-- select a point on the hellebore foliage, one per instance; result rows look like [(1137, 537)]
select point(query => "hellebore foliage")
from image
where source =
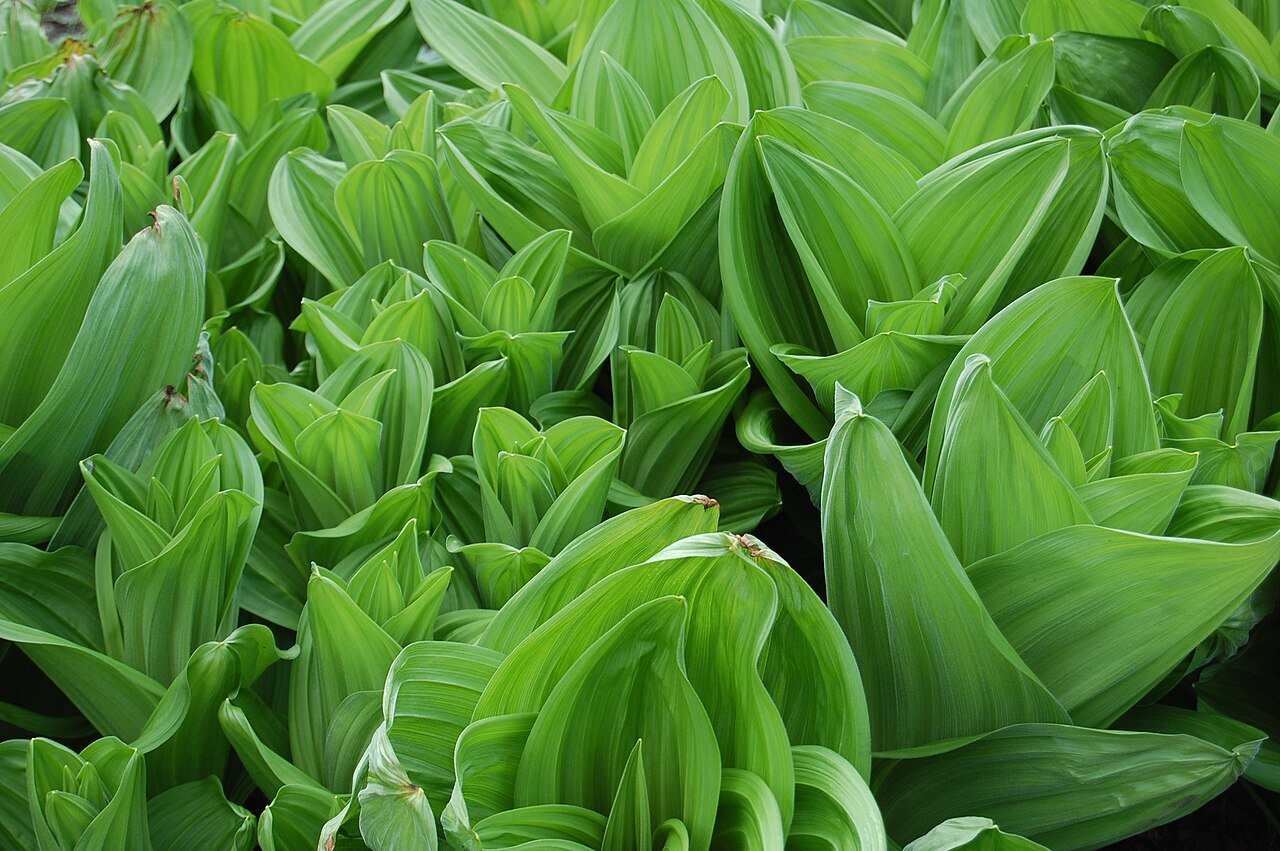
[(617, 425)]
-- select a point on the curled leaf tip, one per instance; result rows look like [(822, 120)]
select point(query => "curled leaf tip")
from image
[(752, 545), (847, 403)]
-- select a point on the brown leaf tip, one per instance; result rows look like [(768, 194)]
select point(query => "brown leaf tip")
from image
[(173, 398), (753, 546)]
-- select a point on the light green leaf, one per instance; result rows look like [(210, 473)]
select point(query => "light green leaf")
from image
[(1060, 786), (885, 552), (571, 758), (485, 50)]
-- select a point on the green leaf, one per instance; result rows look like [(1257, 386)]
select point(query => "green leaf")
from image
[(242, 64), (694, 47), (982, 109), (972, 832), (748, 816), (848, 264), (392, 206), (890, 119), (770, 77), (105, 807), (1040, 335), (485, 761), (208, 175), (300, 198), (1061, 786), (650, 232), (683, 431), (677, 130), (1223, 167), (217, 539), (865, 61), (1215, 371), (360, 137), (1240, 33), (629, 823), (1151, 202), (603, 195), (342, 652), (995, 485), (758, 263), (142, 39), (486, 51), (44, 129), (71, 274), (885, 552), (35, 210), (1044, 18), (198, 813), (335, 33), (432, 688), (630, 538), (993, 20), (295, 817), (393, 811), (1213, 79), (833, 803), (1085, 644), (1006, 241), (152, 292), (571, 757), (1142, 491)]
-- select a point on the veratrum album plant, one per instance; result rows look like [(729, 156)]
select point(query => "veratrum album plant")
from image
[(639, 425)]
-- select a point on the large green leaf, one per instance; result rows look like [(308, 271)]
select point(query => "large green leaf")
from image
[(1009, 215), (70, 273), (1212, 370), (139, 333), (197, 813), (1064, 787), (1086, 644), (393, 206), (342, 653), (917, 626), (834, 806), (486, 51), (635, 676), (693, 48), (759, 264), (1224, 166), (630, 538), (722, 651), (1042, 334), (995, 484), (431, 690)]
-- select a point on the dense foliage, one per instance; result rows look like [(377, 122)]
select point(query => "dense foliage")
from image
[(389, 389)]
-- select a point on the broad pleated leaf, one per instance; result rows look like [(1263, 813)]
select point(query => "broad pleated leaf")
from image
[(995, 485), (571, 759), (1064, 787), (1094, 657), (487, 51), (1043, 334), (148, 306), (885, 552), (1224, 168), (834, 806)]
